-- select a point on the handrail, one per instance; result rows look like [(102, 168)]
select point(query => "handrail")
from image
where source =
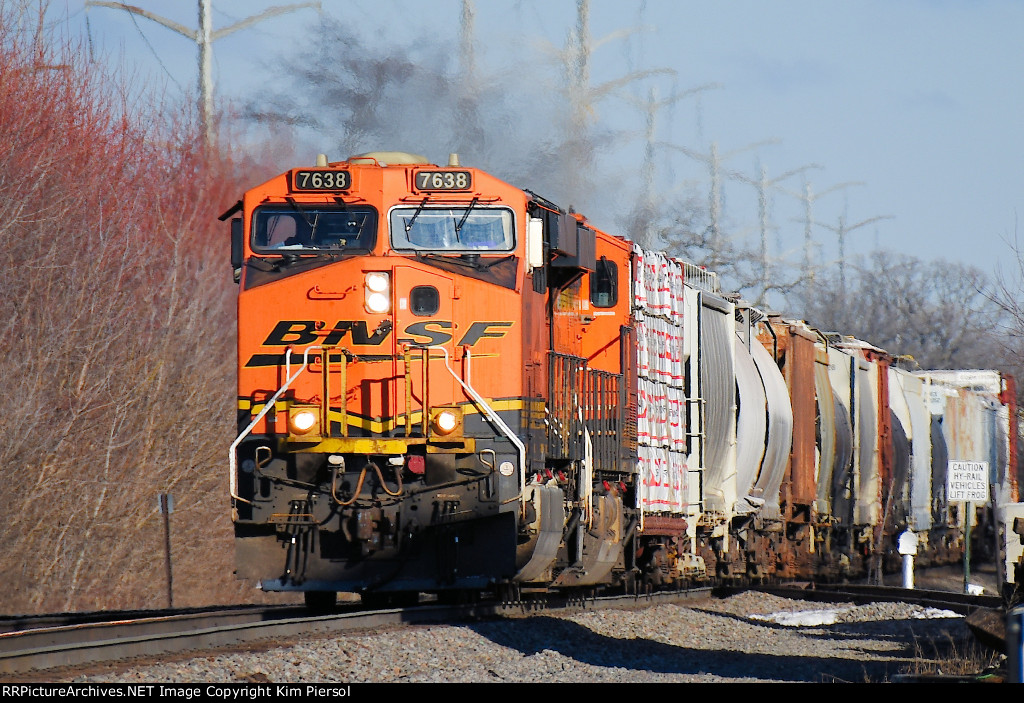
[(493, 417), (699, 277), (289, 379)]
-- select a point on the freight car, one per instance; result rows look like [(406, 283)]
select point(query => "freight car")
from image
[(447, 383)]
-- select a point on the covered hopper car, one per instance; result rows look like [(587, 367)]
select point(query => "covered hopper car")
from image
[(447, 383)]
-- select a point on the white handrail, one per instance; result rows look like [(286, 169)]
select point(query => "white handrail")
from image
[(493, 417), (232, 461)]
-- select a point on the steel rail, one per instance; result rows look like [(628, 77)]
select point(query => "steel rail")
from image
[(959, 603), (95, 642), (18, 623)]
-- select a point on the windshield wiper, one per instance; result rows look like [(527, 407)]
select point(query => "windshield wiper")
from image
[(465, 216), (419, 209), (295, 206), (312, 223)]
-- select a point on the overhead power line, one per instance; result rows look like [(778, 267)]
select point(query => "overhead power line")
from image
[(204, 37)]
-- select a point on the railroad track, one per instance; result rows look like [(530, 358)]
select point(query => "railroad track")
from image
[(18, 623), (960, 603), (45, 642)]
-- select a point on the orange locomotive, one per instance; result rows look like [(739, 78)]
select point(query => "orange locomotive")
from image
[(420, 350), (447, 383)]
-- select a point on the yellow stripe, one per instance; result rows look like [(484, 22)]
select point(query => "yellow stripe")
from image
[(535, 408), (255, 408), (386, 425), (369, 445)]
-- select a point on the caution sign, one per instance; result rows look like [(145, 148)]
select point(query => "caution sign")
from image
[(967, 481)]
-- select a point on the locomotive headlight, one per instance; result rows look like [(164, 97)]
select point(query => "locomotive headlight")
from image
[(447, 420), (303, 420), (378, 282), (378, 292), (378, 302)]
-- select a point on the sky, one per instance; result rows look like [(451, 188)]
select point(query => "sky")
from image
[(905, 114)]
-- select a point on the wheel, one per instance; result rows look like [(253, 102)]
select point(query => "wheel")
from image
[(320, 601)]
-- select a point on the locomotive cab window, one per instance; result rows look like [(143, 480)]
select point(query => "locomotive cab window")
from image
[(305, 227), (604, 284), (471, 229)]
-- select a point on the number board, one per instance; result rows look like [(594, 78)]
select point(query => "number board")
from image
[(443, 180), (322, 180)]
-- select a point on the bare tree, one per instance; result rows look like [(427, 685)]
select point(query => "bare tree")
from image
[(361, 96), (525, 123), (114, 365), (938, 312), (1007, 293)]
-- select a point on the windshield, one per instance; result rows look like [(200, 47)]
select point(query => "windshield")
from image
[(313, 227), (452, 229)]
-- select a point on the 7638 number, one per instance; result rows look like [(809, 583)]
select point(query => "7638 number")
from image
[(443, 180), (322, 180)]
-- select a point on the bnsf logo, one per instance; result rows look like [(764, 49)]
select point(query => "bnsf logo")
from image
[(426, 333)]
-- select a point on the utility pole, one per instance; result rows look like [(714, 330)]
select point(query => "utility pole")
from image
[(713, 160), (578, 51), (641, 231), (467, 104), (808, 196), (204, 38), (763, 184), (582, 97), (467, 30), (841, 231)]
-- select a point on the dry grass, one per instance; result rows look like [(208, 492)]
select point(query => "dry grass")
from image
[(952, 657), (116, 337)]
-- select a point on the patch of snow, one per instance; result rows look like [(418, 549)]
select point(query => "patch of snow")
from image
[(803, 618), (931, 613), (831, 616)]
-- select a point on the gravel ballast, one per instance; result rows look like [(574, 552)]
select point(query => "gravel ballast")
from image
[(743, 638)]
